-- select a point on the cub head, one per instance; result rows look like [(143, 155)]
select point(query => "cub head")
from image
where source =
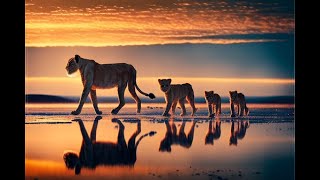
[(233, 95), (72, 65), (208, 95), (164, 84)]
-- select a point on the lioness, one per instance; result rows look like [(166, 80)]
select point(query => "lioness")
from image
[(105, 76)]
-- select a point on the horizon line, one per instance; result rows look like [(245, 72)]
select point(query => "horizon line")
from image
[(216, 79)]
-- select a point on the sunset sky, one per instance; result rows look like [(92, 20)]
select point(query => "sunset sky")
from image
[(216, 45)]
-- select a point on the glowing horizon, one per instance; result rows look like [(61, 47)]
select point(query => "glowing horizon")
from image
[(249, 86), (225, 80)]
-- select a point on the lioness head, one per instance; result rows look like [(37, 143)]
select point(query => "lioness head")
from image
[(72, 161), (72, 65), (233, 95), (164, 84), (208, 95)]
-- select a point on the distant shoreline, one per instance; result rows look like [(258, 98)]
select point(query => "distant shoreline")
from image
[(42, 98)]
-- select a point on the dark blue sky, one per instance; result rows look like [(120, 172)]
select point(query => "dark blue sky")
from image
[(245, 60)]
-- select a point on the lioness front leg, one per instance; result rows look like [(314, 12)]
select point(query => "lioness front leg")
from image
[(84, 96), (93, 96)]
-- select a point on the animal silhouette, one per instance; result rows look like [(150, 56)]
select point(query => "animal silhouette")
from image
[(94, 153), (214, 132), (174, 138), (239, 132)]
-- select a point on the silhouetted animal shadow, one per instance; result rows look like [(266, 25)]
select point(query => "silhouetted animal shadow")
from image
[(94, 153), (172, 138), (214, 132), (239, 133)]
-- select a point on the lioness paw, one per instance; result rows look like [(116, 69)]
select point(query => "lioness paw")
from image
[(114, 112), (166, 114), (212, 115), (75, 112), (99, 112)]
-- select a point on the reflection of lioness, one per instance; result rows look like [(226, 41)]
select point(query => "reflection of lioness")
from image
[(105, 76), (94, 153)]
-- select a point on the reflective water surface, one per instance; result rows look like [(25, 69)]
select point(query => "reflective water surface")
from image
[(149, 146)]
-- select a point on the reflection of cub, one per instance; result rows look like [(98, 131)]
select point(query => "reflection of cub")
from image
[(175, 93), (213, 132), (172, 137), (94, 153), (213, 102), (239, 100), (239, 133)]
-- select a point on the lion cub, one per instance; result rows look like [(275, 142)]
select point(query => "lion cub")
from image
[(175, 93), (213, 101), (240, 101)]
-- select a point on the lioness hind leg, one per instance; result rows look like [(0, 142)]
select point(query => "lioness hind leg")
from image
[(94, 101), (121, 90), (133, 93)]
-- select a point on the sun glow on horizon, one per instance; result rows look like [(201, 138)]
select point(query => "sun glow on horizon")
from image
[(250, 86), (177, 79)]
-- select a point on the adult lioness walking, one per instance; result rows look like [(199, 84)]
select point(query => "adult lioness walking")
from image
[(105, 76)]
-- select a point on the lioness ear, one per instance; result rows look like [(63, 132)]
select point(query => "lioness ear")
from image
[(169, 81), (159, 80), (76, 57)]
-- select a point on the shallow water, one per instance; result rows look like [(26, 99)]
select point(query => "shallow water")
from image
[(262, 147)]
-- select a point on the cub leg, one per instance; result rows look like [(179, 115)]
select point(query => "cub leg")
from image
[(238, 106), (169, 104), (183, 108), (232, 110), (242, 106), (210, 110), (191, 102), (174, 105)]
